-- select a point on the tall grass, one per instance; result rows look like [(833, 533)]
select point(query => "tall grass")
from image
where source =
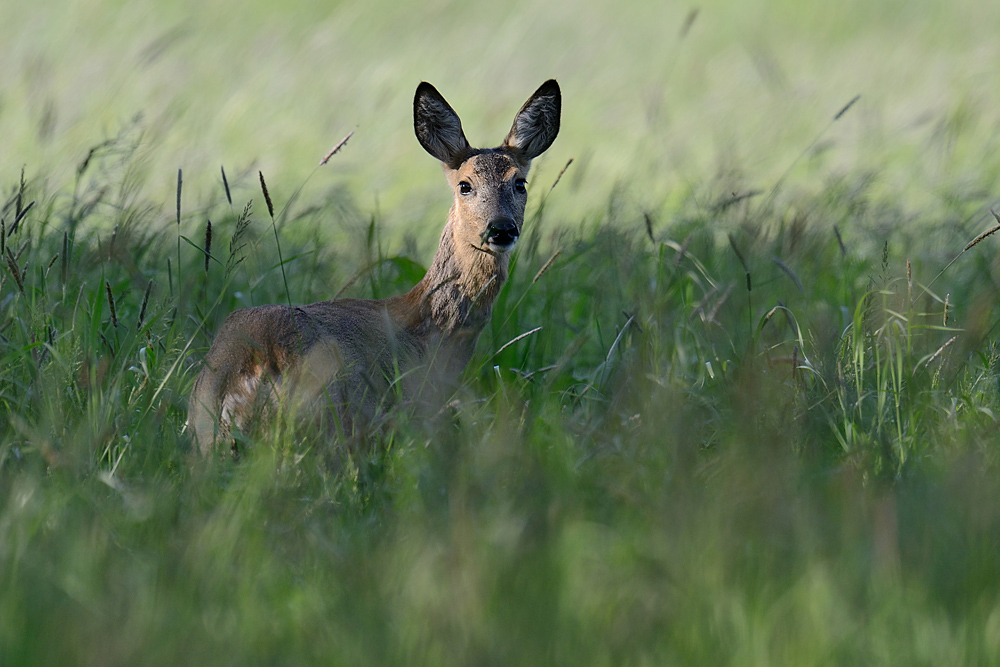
[(724, 432)]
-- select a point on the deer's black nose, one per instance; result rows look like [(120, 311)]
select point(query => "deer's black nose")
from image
[(502, 232)]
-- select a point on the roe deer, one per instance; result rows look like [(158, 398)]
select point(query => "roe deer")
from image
[(343, 357)]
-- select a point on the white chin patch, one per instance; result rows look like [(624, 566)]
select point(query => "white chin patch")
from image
[(495, 247)]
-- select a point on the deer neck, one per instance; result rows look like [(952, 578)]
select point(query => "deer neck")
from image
[(456, 295)]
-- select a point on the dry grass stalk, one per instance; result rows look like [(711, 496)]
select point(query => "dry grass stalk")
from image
[(515, 339), (546, 266), (561, 172), (970, 244), (947, 297), (987, 233), (940, 350), (336, 149)]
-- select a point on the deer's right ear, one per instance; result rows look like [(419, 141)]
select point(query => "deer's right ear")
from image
[(537, 123), (438, 127)]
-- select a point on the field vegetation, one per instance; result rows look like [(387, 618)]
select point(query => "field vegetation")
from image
[(737, 405)]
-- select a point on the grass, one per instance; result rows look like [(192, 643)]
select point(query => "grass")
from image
[(672, 468), (736, 405)]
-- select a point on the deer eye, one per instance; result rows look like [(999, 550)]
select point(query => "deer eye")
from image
[(520, 186), (464, 187)]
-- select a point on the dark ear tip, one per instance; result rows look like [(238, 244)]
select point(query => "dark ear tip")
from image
[(424, 90), (550, 87)]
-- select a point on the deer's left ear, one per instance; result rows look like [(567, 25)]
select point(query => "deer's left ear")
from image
[(537, 123), (438, 127)]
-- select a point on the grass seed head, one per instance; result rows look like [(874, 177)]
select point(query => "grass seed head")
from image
[(180, 183), (20, 215), (15, 272), (208, 243), (225, 184), (267, 196), (111, 303), (145, 301), (984, 235), (336, 149), (846, 108)]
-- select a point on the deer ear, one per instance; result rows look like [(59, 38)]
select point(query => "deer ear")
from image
[(537, 123), (438, 127)]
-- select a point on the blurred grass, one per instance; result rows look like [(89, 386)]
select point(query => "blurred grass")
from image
[(748, 431), (747, 86)]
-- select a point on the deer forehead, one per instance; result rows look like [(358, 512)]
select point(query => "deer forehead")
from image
[(486, 168)]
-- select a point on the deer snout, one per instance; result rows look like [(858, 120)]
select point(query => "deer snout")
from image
[(502, 233)]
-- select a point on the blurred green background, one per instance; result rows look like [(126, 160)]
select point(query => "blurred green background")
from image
[(653, 100), (751, 414)]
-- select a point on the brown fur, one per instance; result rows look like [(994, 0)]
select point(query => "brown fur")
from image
[(344, 358)]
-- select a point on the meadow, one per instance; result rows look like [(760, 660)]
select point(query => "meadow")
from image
[(737, 404)]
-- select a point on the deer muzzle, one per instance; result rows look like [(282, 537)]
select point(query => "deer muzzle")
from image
[(502, 233)]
